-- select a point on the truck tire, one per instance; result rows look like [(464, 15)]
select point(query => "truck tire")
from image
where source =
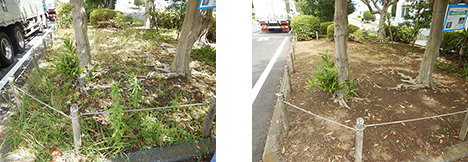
[(6, 50), (17, 39)]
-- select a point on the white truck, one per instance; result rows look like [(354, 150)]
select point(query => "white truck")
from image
[(271, 15), (18, 20)]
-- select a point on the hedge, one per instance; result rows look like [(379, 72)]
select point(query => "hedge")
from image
[(305, 26), (102, 16), (64, 15), (331, 29)]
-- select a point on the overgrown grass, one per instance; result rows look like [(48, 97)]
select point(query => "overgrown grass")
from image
[(123, 58)]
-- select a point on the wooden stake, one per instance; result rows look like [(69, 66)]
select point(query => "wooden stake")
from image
[(359, 138), (209, 117), (76, 126), (16, 94)]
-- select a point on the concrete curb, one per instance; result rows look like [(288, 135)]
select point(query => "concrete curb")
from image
[(170, 153), (271, 145)]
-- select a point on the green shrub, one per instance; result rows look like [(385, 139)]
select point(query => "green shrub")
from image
[(394, 31), (205, 54), (323, 27), (67, 60), (449, 44), (368, 16), (360, 34), (64, 15), (326, 78), (102, 16), (405, 34), (169, 19), (211, 35), (359, 16), (126, 20), (352, 28), (305, 26), (331, 29)]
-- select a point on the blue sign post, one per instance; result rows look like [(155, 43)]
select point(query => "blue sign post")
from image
[(455, 18), (207, 4)]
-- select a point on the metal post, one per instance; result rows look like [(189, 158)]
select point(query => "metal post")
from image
[(359, 138), (76, 126), (283, 111), (209, 117), (464, 128), (16, 94), (292, 61)]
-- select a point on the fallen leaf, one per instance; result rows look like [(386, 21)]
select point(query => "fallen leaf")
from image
[(402, 106), (397, 141), (376, 145), (366, 110), (329, 133), (378, 119), (440, 141), (347, 121), (384, 137), (403, 124), (55, 152), (282, 152)]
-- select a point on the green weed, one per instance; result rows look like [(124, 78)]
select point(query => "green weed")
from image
[(325, 78)]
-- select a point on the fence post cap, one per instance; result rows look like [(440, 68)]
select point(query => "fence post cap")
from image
[(360, 124)]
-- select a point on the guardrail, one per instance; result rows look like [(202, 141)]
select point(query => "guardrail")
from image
[(359, 127)]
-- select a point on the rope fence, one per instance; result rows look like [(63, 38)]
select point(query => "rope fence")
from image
[(285, 88)]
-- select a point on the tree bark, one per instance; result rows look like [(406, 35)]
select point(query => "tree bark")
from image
[(82, 41), (195, 22), (435, 39), (341, 44)]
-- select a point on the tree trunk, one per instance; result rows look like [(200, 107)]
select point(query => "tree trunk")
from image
[(341, 44), (433, 44), (112, 4), (383, 15), (195, 22), (82, 41)]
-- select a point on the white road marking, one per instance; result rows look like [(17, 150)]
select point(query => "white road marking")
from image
[(263, 77), (263, 39)]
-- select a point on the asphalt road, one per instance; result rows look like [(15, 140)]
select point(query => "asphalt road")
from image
[(269, 51)]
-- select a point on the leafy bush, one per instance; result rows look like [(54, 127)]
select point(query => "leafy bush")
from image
[(360, 34), (64, 15), (305, 26), (169, 19), (405, 34), (331, 29), (368, 16), (326, 78), (102, 16), (205, 54), (352, 28), (323, 27), (67, 61), (449, 44), (127, 20), (394, 31), (211, 35)]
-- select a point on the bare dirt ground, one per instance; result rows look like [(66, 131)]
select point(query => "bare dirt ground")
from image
[(376, 66)]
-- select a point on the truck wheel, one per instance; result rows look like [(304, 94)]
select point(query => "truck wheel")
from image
[(6, 50), (17, 39)]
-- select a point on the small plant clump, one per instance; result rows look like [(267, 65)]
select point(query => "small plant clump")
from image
[(326, 77)]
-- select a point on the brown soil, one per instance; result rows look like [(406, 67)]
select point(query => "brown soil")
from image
[(313, 139)]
